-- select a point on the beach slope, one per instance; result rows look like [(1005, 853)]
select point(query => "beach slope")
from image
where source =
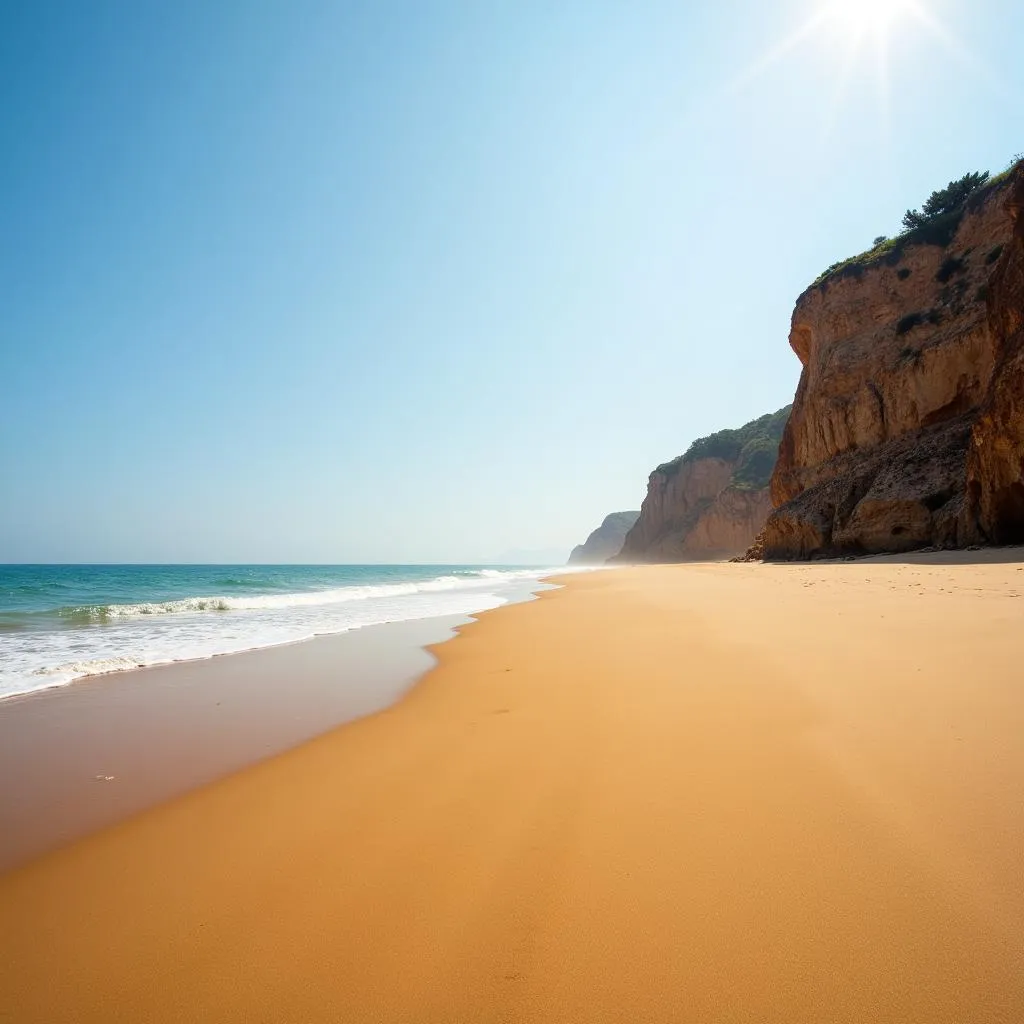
[(676, 793)]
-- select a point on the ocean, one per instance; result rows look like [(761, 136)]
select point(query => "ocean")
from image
[(59, 623)]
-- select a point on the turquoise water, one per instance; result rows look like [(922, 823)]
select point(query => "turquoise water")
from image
[(63, 622)]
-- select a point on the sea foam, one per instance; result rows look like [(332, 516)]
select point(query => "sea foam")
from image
[(308, 599), (92, 639)]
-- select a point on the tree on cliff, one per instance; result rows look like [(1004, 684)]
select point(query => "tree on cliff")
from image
[(945, 200)]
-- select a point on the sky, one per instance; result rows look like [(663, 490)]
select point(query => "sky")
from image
[(433, 281)]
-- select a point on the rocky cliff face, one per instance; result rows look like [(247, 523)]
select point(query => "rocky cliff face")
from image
[(909, 362), (711, 502), (606, 541), (995, 464)]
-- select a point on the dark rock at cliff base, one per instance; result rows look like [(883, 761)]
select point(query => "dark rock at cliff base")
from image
[(903, 494), (605, 541)]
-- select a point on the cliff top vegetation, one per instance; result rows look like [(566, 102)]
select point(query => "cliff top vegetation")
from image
[(934, 224), (754, 448)]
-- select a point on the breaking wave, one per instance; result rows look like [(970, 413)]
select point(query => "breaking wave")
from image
[(44, 647), (303, 599)]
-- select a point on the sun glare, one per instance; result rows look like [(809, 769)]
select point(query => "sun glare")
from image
[(857, 41), (858, 18), (861, 35)]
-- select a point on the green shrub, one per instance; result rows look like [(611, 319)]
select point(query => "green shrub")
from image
[(938, 231), (936, 223), (890, 250), (945, 200), (950, 266), (993, 255), (757, 460), (912, 320), (909, 322), (753, 447)]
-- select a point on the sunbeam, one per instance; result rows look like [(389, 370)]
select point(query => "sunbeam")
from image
[(956, 49), (861, 32), (808, 30), (843, 77)]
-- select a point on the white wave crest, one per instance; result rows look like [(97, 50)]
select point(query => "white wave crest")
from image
[(91, 667), (156, 633), (303, 599)]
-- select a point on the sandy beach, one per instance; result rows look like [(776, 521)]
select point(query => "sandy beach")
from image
[(99, 750), (693, 793)]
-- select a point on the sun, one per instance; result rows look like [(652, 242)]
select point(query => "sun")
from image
[(858, 18), (858, 38)]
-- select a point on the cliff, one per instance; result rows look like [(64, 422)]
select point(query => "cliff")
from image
[(995, 464), (906, 428), (605, 541), (711, 502)]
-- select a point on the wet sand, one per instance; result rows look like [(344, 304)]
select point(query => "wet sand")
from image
[(683, 793), (76, 758)]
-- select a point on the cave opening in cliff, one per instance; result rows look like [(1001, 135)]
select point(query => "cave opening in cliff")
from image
[(1008, 506)]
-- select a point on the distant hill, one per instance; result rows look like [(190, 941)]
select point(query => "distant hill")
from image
[(606, 541), (712, 501)]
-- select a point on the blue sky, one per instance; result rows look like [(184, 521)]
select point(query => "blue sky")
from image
[(430, 281)]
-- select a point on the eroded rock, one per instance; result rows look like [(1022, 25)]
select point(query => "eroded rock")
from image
[(907, 427)]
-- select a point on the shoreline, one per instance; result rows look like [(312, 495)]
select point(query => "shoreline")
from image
[(517, 585), (94, 751), (86, 678), (669, 793)]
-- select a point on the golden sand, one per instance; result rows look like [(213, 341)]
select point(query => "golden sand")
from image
[(690, 794)]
